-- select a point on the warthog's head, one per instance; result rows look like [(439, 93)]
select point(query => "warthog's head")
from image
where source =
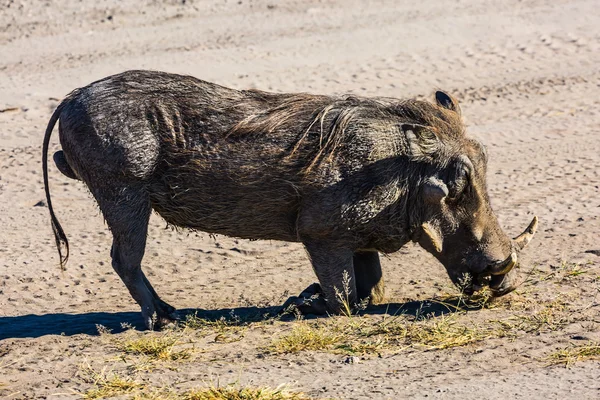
[(457, 224)]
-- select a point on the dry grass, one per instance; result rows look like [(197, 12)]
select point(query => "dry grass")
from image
[(538, 317), (305, 337), (233, 327), (356, 334), (236, 393), (193, 321), (344, 296), (226, 330), (437, 333), (570, 355), (549, 318), (107, 384), (360, 335), (157, 347), (566, 271), (461, 302), (464, 321), (229, 392), (442, 333), (157, 394)]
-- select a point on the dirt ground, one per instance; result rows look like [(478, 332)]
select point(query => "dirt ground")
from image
[(526, 74)]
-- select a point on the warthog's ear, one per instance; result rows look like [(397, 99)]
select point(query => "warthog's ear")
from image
[(421, 140), (445, 100)]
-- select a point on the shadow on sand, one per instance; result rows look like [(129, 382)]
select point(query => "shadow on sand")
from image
[(33, 326)]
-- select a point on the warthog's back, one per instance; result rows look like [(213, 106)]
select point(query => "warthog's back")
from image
[(211, 158)]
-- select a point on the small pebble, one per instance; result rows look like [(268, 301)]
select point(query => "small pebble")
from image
[(352, 360)]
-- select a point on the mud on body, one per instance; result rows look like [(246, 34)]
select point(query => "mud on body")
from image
[(349, 177)]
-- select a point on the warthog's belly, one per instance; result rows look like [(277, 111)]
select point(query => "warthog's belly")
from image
[(233, 202)]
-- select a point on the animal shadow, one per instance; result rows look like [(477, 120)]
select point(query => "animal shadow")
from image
[(34, 326)]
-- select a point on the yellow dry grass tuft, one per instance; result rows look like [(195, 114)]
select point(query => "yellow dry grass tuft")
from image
[(442, 333), (360, 335), (437, 333), (570, 355), (164, 393), (107, 384), (163, 347), (304, 337), (229, 392), (232, 392)]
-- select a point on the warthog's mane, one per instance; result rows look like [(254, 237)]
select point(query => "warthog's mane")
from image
[(331, 118)]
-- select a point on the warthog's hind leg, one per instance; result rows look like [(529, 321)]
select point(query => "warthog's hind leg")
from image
[(369, 277), (127, 211)]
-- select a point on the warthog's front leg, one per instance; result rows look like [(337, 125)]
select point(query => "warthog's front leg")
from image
[(369, 277), (333, 267)]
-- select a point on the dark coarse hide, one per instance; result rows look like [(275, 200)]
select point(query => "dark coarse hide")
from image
[(347, 176)]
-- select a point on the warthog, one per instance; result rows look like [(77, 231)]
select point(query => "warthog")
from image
[(347, 176)]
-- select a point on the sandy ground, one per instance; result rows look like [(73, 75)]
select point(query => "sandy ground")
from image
[(526, 74)]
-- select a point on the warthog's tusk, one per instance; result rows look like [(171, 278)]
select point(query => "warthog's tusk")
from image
[(505, 266), (524, 238)]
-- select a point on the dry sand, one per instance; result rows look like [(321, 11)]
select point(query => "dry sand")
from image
[(526, 74)]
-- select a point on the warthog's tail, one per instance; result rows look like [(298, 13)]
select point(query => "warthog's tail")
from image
[(59, 234)]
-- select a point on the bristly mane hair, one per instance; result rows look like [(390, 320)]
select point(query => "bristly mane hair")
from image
[(330, 118)]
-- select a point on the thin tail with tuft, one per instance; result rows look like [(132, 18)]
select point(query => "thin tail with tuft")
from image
[(59, 234)]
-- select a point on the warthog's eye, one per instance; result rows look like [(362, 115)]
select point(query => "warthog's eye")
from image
[(459, 181)]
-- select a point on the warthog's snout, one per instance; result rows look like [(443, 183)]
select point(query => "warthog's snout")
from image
[(501, 277)]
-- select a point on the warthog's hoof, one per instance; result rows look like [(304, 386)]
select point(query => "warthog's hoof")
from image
[(160, 315), (310, 301)]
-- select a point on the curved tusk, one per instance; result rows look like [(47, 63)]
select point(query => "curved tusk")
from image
[(524, 238), (505, 266)]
